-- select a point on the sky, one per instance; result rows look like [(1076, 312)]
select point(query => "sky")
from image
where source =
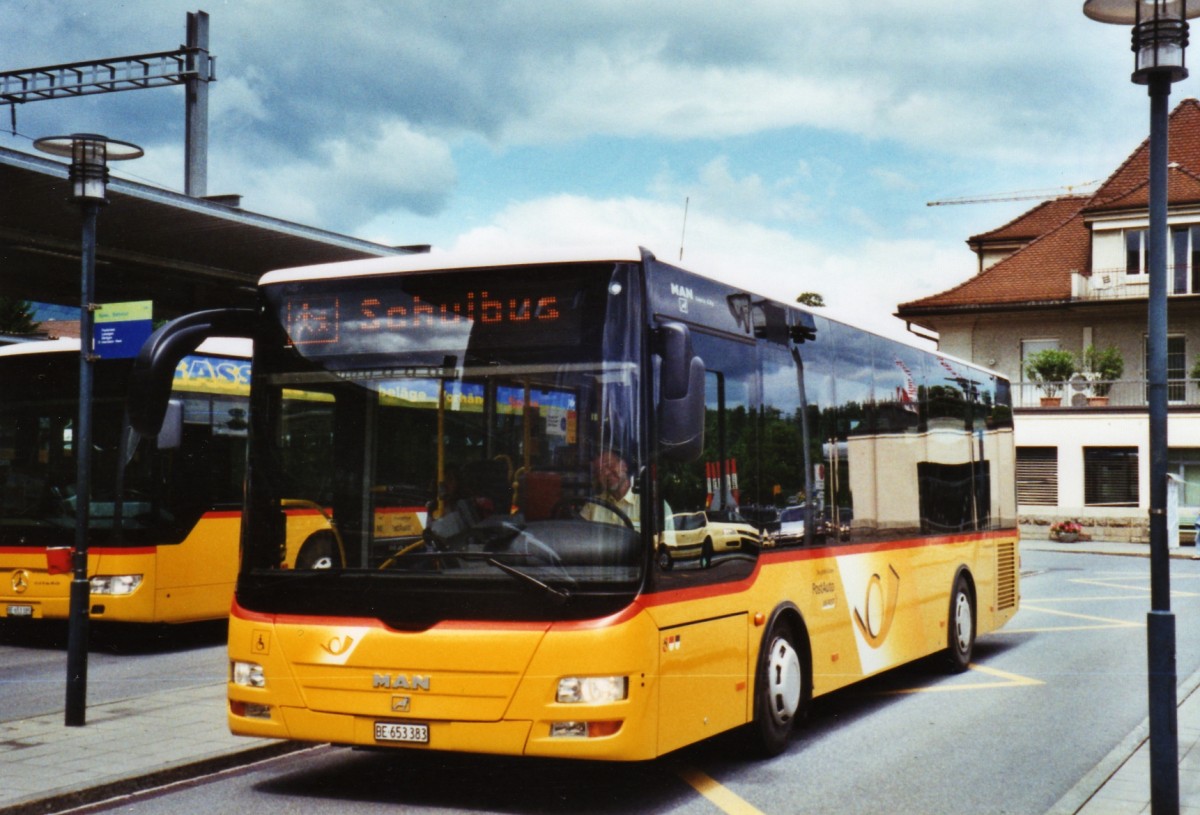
[(790, 145)]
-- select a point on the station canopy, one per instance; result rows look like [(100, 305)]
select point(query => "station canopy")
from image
[(181, 252)]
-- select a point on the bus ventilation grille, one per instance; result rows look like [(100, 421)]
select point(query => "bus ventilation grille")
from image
[(1006, 576)]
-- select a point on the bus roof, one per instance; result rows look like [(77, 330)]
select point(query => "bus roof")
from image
[(57, 345), (217, 346), (436, 260)]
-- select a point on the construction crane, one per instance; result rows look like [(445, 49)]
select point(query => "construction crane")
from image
[(1018, 195)]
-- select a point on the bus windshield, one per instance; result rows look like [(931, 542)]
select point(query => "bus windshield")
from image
[(447, 426), (141, 494)]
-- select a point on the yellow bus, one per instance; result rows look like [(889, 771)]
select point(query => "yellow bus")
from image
[(165, 511), (505, 448)]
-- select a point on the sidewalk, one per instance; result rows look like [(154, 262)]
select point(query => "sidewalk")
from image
[(134, 744), (154, 739)]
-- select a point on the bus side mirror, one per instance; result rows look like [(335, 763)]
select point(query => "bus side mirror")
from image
[(681, 395), (153, 370), (170, 435)]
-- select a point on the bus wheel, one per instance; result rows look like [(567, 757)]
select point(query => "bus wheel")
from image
[(318, 552), (960, 637), (778, 690)]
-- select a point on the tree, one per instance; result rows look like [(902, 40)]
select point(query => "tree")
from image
[(16, 316), (811, 298)]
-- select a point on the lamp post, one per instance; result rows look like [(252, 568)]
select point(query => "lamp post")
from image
[(88, 175), (1159, 39)]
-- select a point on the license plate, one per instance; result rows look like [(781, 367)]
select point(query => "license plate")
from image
[(409, 733), (20, 611)]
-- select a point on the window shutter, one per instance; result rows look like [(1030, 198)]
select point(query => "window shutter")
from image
[(1037, 476), (1110, 476)]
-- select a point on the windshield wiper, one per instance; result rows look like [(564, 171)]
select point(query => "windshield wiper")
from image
[(560, 596)]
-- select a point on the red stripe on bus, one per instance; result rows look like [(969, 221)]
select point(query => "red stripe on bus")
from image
[(94, 549), (644, 601)]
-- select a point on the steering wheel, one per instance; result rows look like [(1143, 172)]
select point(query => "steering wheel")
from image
[(559, 508)]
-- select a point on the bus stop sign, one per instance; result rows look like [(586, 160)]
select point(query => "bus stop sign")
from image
[(121, 328)]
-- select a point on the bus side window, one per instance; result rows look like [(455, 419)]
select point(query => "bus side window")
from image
[(706, 530)]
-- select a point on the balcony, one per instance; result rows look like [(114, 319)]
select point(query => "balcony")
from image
[(1124, 393), (1117, 284)]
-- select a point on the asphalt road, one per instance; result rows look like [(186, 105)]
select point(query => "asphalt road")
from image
[(1046, 699)]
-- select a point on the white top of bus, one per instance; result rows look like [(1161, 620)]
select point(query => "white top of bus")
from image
[(215, 346), (436, 260)]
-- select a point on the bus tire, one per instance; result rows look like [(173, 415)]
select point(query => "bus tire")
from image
[(318, 552), (780, 690), (960, 626)]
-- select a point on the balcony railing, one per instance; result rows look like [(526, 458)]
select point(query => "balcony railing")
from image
[(1124, 393), (1117, 284)]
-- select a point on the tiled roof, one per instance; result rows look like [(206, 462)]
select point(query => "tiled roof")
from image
[(1183, 187), (1041, 270), (1031, 274), (1042, 218)]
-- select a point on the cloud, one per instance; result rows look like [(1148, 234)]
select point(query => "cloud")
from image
[(347, 180), (718, 190), (804, 134), (861, 284)]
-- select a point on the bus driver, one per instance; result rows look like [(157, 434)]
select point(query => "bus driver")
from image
[(610, 472)]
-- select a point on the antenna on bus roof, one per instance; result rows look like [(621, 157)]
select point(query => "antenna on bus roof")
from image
[(686, 201)]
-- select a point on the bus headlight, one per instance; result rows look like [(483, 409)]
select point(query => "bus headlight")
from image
[(115, 583), (247, 674), (592, 690)]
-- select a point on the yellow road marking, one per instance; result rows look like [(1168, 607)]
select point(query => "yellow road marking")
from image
[(1119, 598), (721, 797), (1101, 622), (1121, 583), (1009, 680)]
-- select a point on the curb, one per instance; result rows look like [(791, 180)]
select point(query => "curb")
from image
[(185, 770)]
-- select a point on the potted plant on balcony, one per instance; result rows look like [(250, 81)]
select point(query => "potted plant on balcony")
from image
[(1107, 365), (1050, 369)]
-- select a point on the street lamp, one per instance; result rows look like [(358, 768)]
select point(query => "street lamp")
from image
[(89, 156), (1159, 39)]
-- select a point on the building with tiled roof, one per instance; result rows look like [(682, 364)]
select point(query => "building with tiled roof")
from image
[(1067, 275), (997, 244)]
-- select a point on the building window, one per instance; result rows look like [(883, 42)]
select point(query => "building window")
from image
[(1031, 347), (1184, 462), (1185, 262), (1110, 476), (1135, 251), (1176, 367), (1037, 476)]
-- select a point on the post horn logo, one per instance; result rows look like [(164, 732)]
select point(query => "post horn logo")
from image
[(879, 608), (338, 645)]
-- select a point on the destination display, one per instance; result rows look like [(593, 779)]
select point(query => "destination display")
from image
[(393, 316)]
